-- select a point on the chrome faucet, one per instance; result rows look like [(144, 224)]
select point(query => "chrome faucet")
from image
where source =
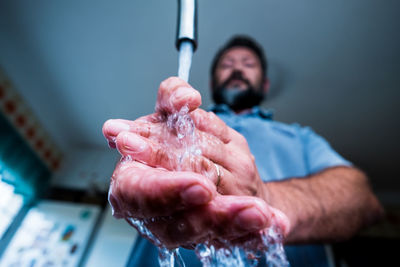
[(187, 23)]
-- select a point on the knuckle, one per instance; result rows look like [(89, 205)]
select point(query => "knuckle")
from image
[(120, 140), (165, 83), (145, 130), (169, 83), (161, 158), (205, 167), (142, 127), (248, 165), (200, 118), (212, 118)]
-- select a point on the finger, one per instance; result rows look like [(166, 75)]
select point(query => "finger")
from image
[(143, 192), (146, 126), (172, 156), (174, 93), (155, 153), (209, 122), (224, 218), (281, 220), (128, 136), (111, 128), (229, 156), (147, 151), (244, 213), (168, 157)]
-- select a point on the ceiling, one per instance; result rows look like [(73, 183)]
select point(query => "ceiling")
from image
[(334, 65)]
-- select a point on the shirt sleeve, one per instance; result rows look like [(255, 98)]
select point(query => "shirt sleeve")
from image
[(318, 153)]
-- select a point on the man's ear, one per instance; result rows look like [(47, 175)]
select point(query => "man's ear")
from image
[(266, 85)]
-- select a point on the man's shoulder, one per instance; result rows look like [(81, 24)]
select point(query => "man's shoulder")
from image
[(293, 129), (264, 116)]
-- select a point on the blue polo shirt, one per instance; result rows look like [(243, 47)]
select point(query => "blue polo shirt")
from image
[(281, 151)]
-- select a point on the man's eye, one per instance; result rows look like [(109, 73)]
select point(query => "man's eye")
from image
[(225, 65), (250, 64)]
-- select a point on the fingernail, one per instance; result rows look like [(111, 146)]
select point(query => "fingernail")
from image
[(134, 143), (251, 219), (196, 195), (118, 126)]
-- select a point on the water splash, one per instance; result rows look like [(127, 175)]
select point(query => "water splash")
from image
[(269, 250), (275, 256), (166, 257), (183, 126)]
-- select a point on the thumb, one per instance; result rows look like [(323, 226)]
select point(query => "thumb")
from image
[(174, 93)]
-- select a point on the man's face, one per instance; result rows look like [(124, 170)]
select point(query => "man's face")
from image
[(245, 63), (238, 81)]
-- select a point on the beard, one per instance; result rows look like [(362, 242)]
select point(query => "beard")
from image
[(237, 98)]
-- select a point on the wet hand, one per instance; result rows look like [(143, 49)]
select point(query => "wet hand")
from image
[(184, 208), (215, 195)]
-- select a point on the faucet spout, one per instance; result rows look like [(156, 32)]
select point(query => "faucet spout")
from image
[(187, 23)]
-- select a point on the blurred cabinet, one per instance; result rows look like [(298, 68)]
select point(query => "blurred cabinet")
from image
[(53, 233)]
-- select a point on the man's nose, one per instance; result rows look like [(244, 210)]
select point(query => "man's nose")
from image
[(238, 67), (237, 73)]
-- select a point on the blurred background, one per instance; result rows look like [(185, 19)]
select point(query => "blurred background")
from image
[(68, 66)]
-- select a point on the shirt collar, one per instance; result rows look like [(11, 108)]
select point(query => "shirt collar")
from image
[(255, 111)]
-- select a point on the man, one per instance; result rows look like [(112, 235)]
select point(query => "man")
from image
[(252, 172)]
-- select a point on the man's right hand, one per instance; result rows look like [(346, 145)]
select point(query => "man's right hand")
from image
[(185, 203)]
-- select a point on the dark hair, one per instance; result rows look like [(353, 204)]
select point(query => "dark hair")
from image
[(241, 41)]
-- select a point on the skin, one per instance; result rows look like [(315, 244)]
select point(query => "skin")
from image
[(182, 198), (187, 204), (243, 60)]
